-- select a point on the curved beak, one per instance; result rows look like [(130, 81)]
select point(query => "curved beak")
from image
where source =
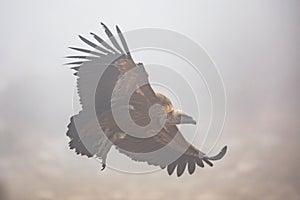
[(186, 119)]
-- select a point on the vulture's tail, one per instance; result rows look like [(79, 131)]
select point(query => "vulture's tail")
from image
[(86, 137), (75, 140)]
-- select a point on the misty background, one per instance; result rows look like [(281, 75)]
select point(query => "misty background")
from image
[(256, 46)]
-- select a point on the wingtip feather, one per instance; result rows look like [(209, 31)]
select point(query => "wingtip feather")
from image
[(220, 155), (191, 166), (171, 168), (181, 167)]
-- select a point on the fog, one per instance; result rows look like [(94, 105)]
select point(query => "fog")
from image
[(256, 47)]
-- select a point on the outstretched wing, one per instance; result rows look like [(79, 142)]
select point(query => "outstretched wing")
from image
[(168, 148), (97, 74), (96, 77)]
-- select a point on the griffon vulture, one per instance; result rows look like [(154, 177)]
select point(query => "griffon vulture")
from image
[(106, 76)]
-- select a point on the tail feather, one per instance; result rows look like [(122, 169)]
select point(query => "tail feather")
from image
[(75, 142)]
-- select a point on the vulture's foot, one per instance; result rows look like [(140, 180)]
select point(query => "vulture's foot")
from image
[(103, 166)]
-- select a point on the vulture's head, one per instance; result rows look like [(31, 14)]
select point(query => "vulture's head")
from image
[(174, 116), (179, 117)]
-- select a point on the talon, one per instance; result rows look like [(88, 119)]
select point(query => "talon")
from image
[(103, 167)]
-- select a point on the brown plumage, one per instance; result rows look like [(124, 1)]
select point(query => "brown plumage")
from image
[(104, 81)]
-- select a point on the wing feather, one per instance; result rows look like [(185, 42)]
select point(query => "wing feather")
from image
[(87, 51), (181, 166), (112, 38), (101, 41), (93, 45), (83, 57), (171, 168), (191, 165), (123, 42)]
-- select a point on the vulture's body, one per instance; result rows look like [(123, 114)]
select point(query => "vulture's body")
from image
[(106, 77)]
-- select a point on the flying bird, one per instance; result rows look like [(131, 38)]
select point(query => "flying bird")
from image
[(110, 83)]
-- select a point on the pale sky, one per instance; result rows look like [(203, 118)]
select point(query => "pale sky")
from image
[(256, 47)]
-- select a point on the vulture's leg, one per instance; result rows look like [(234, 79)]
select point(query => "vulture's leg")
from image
[(106, 143), (104, 146), (104, 152)]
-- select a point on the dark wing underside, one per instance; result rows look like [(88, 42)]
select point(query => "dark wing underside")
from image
[(97, 74), (168, 148)]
